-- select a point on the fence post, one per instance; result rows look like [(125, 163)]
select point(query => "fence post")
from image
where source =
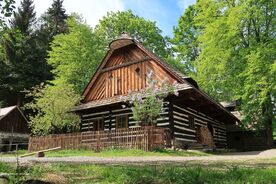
[(98, 141), (60, 141), (30, 144)]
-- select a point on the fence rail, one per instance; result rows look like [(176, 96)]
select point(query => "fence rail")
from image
[(144, 138)]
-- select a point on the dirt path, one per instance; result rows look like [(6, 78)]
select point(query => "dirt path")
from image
[(229, 157)]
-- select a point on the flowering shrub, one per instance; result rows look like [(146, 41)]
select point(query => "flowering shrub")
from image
[(147, 104)]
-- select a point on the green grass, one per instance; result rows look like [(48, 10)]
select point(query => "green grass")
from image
[(13, 153), (87, 173), (115, 153), (5, 168), (123, 153)]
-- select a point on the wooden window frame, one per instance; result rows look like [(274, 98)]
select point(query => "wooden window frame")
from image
[(120, 118), (99, 123)]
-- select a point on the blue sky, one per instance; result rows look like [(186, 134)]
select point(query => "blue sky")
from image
[(164, 12)]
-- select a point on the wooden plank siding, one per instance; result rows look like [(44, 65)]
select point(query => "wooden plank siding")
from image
[(126, 70), (183, 132), (14, 122)]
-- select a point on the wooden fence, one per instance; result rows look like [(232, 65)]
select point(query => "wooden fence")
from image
[(144, 138)]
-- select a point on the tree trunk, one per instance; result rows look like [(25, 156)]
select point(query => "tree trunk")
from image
[(269, 134), (269, 124)]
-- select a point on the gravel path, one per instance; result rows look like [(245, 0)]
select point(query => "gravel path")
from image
[(237, 156)]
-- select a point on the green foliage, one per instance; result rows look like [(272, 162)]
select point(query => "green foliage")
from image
[(113, 24), (51, 23), (54, 20), (259, 94), (23, 50), (24, 18), (4, 167), (76, 55), (22, 65), (185, 40), (51, 107), (236, 61)]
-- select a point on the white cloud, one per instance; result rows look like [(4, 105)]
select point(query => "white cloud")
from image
[(91, 10)]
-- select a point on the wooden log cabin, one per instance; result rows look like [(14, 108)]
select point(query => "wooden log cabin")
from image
[(192, 117)]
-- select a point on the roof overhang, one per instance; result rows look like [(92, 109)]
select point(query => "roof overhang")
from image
[(115, 100), (201, 102)]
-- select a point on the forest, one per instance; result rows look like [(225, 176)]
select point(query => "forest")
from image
[(227, 46)]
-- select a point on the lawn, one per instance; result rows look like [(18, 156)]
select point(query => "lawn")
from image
[(85, 173), (114, 153)]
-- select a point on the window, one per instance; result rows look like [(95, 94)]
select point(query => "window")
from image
[(137, 70), (122, 122), (119, 86), (191, 121), (98, 124)]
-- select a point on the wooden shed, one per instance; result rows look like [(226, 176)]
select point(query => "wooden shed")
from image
[(13, 127), (192, 117)]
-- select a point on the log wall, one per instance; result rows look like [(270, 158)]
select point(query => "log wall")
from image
[(186, 134), (180, 117), (109, 117)]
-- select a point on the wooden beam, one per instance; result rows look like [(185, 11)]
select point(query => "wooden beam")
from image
[(124, 64), (45, 150)]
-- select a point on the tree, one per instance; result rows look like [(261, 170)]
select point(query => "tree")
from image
[(21, 68), (54, 20), (185, 40), (25, 51), (76, 55), (113, 24), (24, 18), (6, 10), (73, 57), (51, 23), (52, 104), (237, 56)]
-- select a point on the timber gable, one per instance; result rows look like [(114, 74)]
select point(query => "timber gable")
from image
[(125, 68)]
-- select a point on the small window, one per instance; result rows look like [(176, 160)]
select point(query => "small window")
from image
[(137, 70), (121, 122), (191, 121), (98, 124)]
